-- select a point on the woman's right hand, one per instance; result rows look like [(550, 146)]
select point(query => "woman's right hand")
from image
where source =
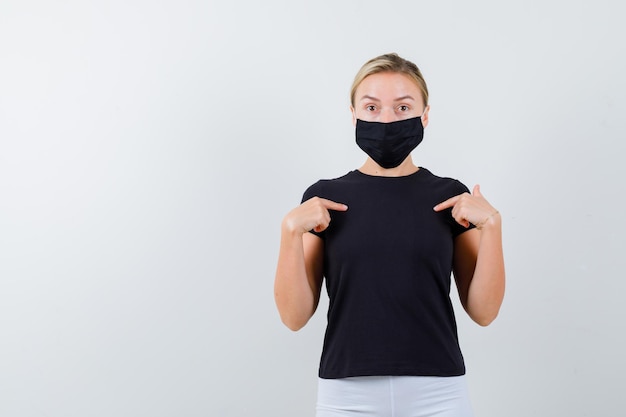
[(313, 214), (299, 272)]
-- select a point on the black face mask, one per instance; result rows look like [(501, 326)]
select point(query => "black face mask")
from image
[(389, 143)]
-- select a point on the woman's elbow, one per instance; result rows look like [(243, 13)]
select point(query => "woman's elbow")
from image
[(484, 319), (484, 322), (293, 323)]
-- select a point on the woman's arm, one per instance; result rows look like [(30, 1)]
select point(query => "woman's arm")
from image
[(301, 261), (298, 277), (479, 271), (478, 262)]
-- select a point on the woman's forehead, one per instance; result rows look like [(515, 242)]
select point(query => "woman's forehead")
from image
[(388, 85)]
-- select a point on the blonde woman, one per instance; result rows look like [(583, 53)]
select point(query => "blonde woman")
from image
[(387, 237)]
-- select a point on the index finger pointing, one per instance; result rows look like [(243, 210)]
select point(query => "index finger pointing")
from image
[(447, 204), (332, 205)]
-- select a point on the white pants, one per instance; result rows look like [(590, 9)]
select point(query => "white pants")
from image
[(394, 396)]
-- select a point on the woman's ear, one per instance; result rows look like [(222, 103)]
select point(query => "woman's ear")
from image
[(353, 116), (425, 116)]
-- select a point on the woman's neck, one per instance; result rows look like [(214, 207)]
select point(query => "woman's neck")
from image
[(407, 167)]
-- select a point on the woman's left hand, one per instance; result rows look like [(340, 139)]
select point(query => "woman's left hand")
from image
[(469, 208)]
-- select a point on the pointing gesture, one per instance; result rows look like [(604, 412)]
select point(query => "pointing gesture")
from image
[(469, 208), (313, 214)]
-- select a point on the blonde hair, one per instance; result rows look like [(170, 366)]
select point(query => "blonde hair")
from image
[(390, 63)]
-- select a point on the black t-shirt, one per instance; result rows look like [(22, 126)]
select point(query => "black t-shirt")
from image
[(387, 265)]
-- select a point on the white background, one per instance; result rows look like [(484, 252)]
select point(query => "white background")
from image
[(149, 150)]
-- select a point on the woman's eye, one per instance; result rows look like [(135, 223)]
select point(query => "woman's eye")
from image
[(371, 108), (403, 108)]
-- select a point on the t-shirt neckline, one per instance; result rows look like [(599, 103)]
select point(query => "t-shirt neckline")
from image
[(412, 175)]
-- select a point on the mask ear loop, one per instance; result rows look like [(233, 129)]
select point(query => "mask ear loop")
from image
[(421, 117)]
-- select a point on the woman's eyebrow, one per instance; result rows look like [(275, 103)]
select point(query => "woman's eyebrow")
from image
[(407, 97), (366, 97)]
